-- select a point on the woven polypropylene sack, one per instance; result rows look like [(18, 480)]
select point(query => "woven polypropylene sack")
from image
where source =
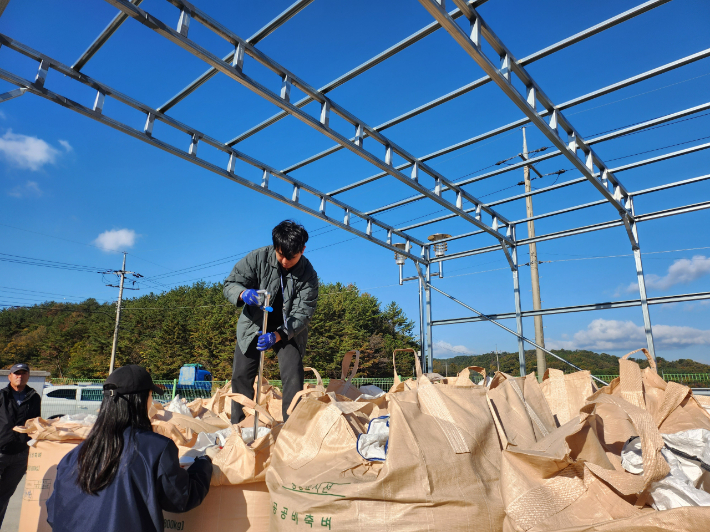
[(441, 470), (566, 393)]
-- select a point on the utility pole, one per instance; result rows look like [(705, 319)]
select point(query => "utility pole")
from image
[(122, 274), (534, 275)]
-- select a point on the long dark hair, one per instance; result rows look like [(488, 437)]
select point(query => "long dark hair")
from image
[(100, 455)]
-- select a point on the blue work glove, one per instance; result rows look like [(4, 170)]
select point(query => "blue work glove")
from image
[(250, 297), (265, 341)]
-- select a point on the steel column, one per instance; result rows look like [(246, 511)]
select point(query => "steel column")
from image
[(642, 287), (422, 310), (429, 337), (494, 322), (518, 305)]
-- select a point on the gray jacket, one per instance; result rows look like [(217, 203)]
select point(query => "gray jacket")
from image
[(260, 270)]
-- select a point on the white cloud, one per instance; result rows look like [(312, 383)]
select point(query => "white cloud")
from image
[(682, 271), (2, 115), (116, 239), (65, 144), (31, 188), (614, 335), (27, 152), (444, 349)]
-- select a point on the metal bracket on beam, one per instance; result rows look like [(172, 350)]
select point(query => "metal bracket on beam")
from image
[(14, 93), (282, 102), (145, 135), (501, 78)]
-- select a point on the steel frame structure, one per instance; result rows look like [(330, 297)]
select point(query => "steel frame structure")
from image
[(427, 183)]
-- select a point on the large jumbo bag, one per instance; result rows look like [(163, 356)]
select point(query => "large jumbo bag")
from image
[(44, 457), (243, 508), (521, 409), (441, 470), (572, 480), (566, 394), (673, 406), (243, 459), (51, 440)]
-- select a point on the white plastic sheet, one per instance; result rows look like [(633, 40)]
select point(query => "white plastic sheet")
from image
[(205, 440), (373, 445), (688, 455), (370, 391), (178, 405), (83, 419), (248, 433)]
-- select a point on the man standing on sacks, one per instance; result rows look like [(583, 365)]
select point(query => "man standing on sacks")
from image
[(289, 277)]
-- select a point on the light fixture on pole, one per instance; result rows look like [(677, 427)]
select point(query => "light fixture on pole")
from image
[(440, 248), (400, 259)]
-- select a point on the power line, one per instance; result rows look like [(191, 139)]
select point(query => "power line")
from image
[(31, 261)]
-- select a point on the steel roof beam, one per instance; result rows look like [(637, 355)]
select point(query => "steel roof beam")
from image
[(352, 74), (693, 207), (104, 36), (579, 308), (607, 184), (564, 43), (518, 123), (637, 164), (609, 136), (10, 95), (327, 106), (262, 33), (195, 138), (659, 188)]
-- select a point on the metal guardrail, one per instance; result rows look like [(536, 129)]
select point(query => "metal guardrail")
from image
[(697, 380)]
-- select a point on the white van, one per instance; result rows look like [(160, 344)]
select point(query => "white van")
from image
[(71, 399)]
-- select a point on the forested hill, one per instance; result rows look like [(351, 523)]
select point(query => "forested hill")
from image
[(196, 324), (598, 364)]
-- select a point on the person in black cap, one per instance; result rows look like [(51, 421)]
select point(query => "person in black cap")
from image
[(124, 475), (18, 403)]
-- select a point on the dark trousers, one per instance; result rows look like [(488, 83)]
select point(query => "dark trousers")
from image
[(246, 368), (12, 469)]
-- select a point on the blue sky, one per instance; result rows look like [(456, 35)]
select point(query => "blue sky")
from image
[(65, 180)]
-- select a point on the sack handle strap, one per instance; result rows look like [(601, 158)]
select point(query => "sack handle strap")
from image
[(651, 361), (655, 466), (318, 377), (249, 403), (347, 358), (417, 364), (465, 374)]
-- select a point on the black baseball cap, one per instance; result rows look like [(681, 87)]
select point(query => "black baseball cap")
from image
[(19, 367), (130, 379)]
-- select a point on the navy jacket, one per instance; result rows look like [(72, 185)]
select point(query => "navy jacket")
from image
[(12, 415), (149, 480)]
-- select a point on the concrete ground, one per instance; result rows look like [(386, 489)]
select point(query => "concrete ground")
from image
[(12, 516)]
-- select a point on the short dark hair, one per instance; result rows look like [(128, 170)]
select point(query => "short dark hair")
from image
[(289, 238)]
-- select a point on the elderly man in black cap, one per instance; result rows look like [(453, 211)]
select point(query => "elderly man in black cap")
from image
[(18, 403)]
